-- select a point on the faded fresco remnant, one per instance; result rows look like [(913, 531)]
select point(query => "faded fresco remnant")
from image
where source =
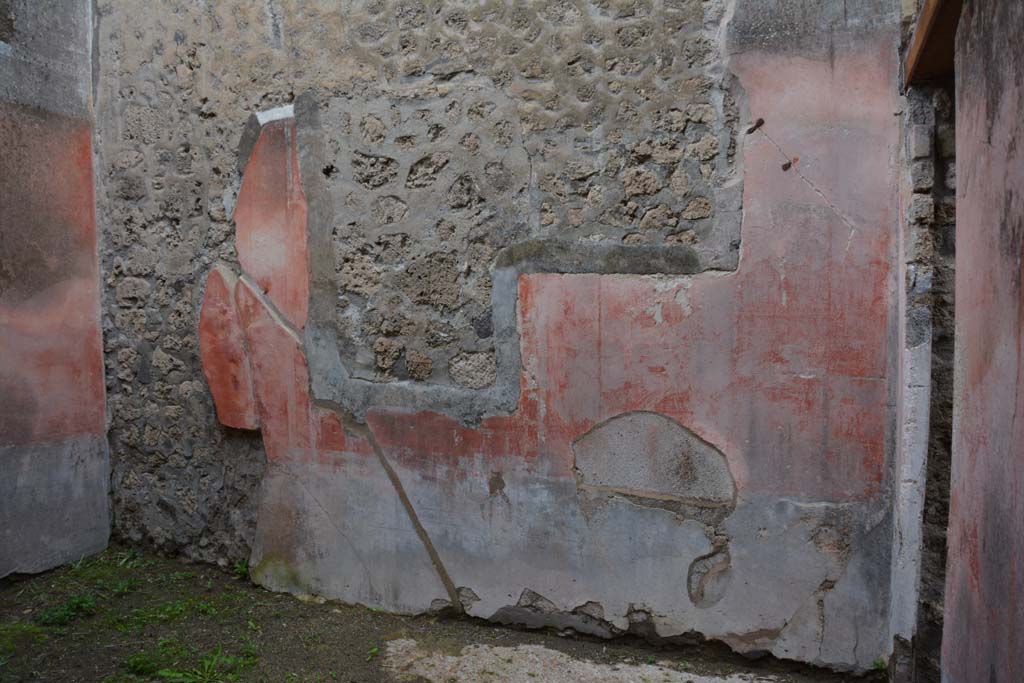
[(617, 317), (547, 424), (53, 444)]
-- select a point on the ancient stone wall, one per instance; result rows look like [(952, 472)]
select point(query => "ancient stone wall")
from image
[(53, 447), (984, 614), (593, 125), (928, 204), (165, 157), (477, 274), (451, 132)]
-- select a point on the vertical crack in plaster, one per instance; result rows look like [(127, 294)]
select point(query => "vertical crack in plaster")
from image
[(276, 29), (823, 589)]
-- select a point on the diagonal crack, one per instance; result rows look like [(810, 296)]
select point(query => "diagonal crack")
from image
[(363, 429), (791, 164)]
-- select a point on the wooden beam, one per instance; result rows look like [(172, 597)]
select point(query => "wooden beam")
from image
[(932, 47)]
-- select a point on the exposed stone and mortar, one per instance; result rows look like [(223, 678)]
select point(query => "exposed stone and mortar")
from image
[(599, 138), (928, 189), (928, 204), (497, 487), (602, 129)]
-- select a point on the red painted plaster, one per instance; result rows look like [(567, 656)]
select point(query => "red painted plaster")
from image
[(222, 349), (783, 365), (280, 372), (294, 429), (51, 368), (271, 221)]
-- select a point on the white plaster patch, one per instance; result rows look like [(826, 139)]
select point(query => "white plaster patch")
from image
[(683, 298), (532, 663), (654, 310), (911, 468), (276, 114)]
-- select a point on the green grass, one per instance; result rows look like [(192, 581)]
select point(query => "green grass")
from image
[(105, 572), (241, 569), (162, 603), (163, 613), (168, 662), (14, 635), (215, 667), (168, 653), (75, 607)]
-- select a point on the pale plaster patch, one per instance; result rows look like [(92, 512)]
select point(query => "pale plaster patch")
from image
[(408, 661)]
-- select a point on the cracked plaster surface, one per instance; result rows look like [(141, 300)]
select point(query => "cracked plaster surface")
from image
[(496, 516)]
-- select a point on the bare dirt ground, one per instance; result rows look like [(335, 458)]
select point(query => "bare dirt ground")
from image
[(129, 617)]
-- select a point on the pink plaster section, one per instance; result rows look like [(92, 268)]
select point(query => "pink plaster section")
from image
[(783, 365), (281, 373), (294, 429), (51, 365), (984, 603), (223, 353), (271, 221)]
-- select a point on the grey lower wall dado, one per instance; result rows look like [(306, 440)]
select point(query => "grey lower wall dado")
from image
[(53, 503), (543, 552)]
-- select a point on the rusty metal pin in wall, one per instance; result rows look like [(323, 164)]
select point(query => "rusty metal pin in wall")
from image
[(757, 124)]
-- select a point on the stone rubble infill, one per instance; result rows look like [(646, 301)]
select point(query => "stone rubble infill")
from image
[(533, 663)]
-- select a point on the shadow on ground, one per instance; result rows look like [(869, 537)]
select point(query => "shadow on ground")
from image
[(128, 617)]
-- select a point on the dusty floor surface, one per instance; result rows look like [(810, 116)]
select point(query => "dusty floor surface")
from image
[(127, 617)]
